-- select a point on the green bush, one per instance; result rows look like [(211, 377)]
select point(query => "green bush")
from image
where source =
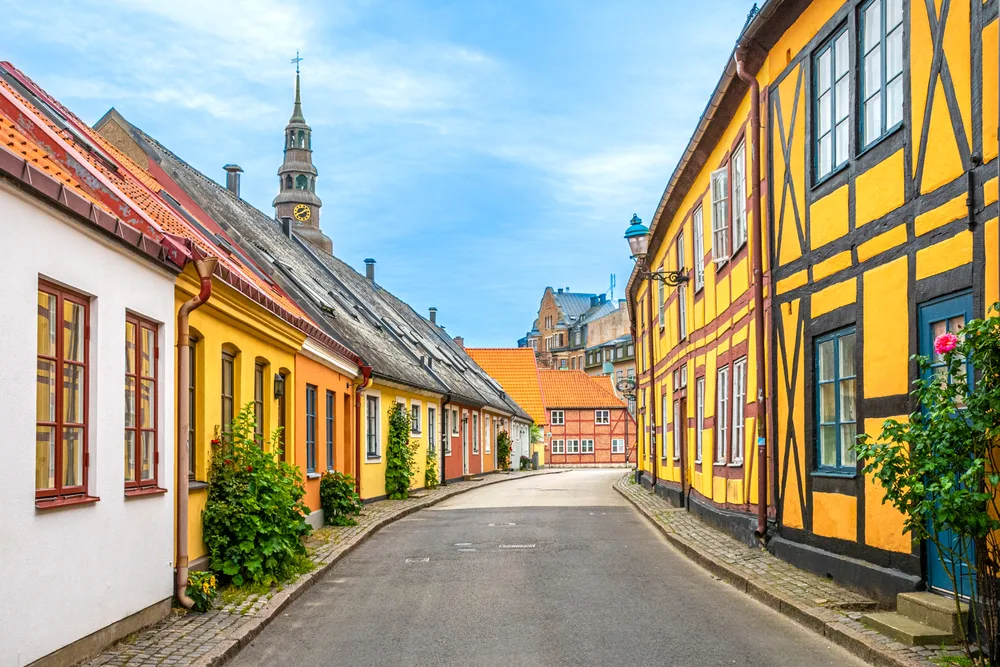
[(339, 500), (431, 471), (401, 455), (503, 450), (254, 520), (525, 463), (201, 588)]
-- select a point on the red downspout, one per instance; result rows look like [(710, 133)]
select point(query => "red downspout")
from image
[(205, 268), (366, 374), (651, 363), (758, 292)]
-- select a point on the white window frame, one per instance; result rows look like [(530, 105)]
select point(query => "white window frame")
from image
[(720, 220), (586, 448), (661, 299), (573, 446), (488, 435), (721, 413), (558, 418), (677, 430), (558, 446), (419, 423), (700, 419), (738, 430), (454, 420), (738, 165), (617, 445), (475, 432), (681, 290), (698, 231), (602, 417), (377, 456), (664, 402), (432, 428)]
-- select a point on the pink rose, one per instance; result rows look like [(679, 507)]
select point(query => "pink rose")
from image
[(945, 343)]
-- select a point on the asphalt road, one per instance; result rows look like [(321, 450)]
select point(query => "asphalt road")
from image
[(543, 571)]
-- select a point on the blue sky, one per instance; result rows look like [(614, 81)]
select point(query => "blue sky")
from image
[(479, 151)]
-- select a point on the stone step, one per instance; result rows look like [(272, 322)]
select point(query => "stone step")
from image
[(906, 630), (471, 478), (934, 610)]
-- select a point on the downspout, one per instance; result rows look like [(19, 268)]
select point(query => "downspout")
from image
[(650, 361), (366, 374), (205, 268), (444, 437), (758, 292)]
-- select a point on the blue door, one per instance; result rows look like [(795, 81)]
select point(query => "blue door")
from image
[(948, 314)]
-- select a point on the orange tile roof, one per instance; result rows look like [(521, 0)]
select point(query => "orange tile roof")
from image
[(576, 389), (515, 369)]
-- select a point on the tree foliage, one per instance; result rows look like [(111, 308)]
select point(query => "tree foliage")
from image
[(401, 455), (503, 450)]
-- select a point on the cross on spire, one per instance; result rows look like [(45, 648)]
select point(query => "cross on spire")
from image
[(296, 60)]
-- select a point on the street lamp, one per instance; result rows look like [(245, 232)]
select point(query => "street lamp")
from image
[(637, 236)]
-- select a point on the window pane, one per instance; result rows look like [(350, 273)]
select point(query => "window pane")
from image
[(46, 324), (825, 154), (843, 142), (842, 55), (847, 402), (846, 353), (823, 82), (72, 453), (129, 402), (129, 347), (847, 435), (148, 350), (894, 53), (148, 403), (827, 403), (129, 456), (45, 391), (148, 444), (843, 97), (873, 72), (828, 446), (894, 13), (873, 24), (45, 457), (72, 394), (894, 102), (826, 360), (73, 334), (824, 108), (873, 119)]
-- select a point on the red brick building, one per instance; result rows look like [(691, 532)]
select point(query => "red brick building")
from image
[(587, 423)]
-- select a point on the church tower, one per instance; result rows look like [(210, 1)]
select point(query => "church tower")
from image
[(297, 198)]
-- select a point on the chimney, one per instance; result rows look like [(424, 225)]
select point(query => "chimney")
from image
[(559, 290), (434, 314), (233, 172), (460, 342), (593, 301), (567, 289), (604, 298), (370, 269), (286, 227)]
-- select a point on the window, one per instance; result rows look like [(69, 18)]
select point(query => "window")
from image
[(738, 166), (475, 433), (192, 407), (681, 291), (558, 418), (572, 446), (489, 434), (631, 350), (330, 403), (832, 103), (677, 429), (258, 402), (586, 446), (430, 429), (721, 413), (720, 219), (881, 77), (699, 419), (371, 433), (630, 373), (454, 424), (228, 361), (572, 364), (835, 401), (310, 428), (61, 393), (698, 231), (141, 354), (558, 447), (301, 182), (602, 416), (562, 364), (618, 445), (619, 376), (660, 299), (663, 424), (415, 418), (444, 432), (739, 409)]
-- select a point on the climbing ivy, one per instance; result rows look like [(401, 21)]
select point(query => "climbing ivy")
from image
[(503, 450), (401, 455), (430, 472)]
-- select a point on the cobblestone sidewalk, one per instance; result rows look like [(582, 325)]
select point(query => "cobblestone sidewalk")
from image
[(817, 603), (813, 601), (213, 637)]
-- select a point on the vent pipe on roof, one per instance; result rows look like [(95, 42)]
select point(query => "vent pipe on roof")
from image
[(233, 172), (559, 290), (460, 342), (434, 314), (370, 269)]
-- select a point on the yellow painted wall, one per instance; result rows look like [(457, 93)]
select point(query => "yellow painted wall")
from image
[(835, 296), (829, 217), (886, 310), (883, 523), (835, 515), (992, 263), (879, 190), (946, 255)]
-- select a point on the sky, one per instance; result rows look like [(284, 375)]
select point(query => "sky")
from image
[(478, 151)]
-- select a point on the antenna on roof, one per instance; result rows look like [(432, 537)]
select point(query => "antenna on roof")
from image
[(611, 290)]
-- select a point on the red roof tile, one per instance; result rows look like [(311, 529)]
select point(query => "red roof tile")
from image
[(576, 389)]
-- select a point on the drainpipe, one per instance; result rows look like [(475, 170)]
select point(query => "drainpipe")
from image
[(444, 437), (650, 361), (205, 268), (758, 292), (366, 374)]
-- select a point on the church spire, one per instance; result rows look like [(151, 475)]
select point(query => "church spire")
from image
[(297, 198)]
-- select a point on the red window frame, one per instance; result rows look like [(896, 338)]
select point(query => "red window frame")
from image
[(61, 491), (138, 378)]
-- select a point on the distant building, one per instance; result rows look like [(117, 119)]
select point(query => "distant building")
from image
[(609, 341), (559, 335)]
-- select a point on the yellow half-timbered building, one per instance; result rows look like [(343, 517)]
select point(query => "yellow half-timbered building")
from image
[(878, 200)]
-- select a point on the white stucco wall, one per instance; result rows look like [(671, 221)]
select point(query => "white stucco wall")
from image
[(69, 572)]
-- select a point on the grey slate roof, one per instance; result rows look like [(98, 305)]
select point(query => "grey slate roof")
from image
[(572, 304)]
